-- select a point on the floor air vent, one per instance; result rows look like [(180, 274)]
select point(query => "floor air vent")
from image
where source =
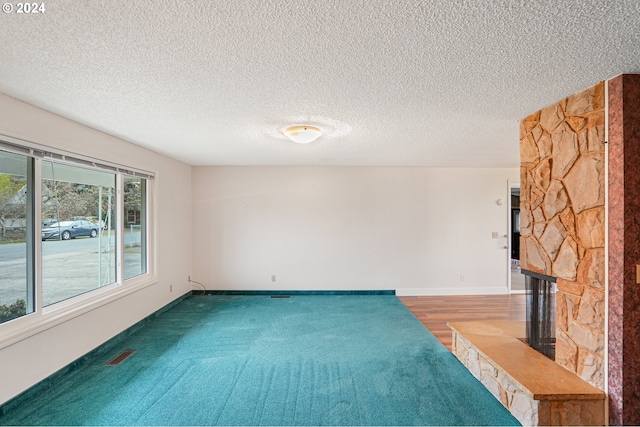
[(280, 296), (120, 358)]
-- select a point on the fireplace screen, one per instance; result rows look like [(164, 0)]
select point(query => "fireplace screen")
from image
[(541, 312)]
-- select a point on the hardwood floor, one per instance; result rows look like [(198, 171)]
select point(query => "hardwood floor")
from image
[(435, 311)]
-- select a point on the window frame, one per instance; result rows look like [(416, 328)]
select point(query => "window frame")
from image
[(43, 318), (144, 217), (73, 167)]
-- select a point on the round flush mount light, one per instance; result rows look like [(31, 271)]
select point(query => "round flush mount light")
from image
[(327, 127), (302, 134)]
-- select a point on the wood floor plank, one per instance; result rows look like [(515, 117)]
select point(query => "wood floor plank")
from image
[(436, 311)]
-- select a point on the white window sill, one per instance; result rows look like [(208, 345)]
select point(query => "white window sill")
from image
[(26, 326)]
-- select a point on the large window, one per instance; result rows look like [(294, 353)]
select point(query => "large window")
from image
[(68, 227), (78, 231), (16, 268)]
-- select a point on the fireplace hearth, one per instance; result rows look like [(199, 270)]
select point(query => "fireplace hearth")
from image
[(541, 312)]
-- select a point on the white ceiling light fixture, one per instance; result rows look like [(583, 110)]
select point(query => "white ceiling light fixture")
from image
[(302, 134)]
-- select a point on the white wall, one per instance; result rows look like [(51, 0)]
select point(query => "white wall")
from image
[(414, 230), (33, 359)]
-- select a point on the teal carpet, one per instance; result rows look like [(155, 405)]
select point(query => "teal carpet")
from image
[(256, 360)]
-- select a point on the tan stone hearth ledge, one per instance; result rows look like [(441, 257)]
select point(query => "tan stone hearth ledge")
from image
[(533, 387)]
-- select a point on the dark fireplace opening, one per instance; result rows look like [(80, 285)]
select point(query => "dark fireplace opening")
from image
[(541, 312)]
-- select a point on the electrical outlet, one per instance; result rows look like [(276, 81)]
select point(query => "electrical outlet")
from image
[(189, 278), (494, 235), (273, 278), (170, 288)]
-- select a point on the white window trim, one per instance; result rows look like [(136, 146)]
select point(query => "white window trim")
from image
[(20, 146), (37, 250), (44, 318), (26, 326), (120, 229)]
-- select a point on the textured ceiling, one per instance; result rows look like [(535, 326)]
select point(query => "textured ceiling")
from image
[(431, 82)]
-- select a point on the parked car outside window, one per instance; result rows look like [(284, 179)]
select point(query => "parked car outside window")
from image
[(65, 230)]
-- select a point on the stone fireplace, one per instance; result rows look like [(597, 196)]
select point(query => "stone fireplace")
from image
[(562, 239), (562, 222), (562, 149)]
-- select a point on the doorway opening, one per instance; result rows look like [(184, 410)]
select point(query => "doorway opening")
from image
[(515, 276)]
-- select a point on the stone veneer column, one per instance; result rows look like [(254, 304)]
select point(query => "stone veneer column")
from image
[(624, 250), (562, 222)]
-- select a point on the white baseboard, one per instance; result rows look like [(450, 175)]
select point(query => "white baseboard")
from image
[(452, 291)]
